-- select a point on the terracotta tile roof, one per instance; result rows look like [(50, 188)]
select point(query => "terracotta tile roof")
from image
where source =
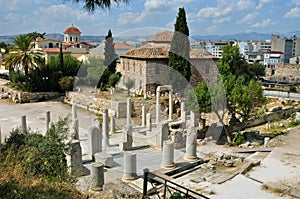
[(72, 29), (55, 50), (201, 53), (164, 36), (119, 45), (147, 53), (39, 39)]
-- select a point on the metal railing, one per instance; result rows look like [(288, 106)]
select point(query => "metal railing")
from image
[(169, 187)]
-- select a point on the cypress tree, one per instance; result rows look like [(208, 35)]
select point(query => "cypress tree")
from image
[(109, 53), (179, 53)]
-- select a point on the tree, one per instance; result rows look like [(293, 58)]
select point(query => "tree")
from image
[(179, 53), (23, 56), (129, 84), (109, 61), (114, 78), (91, 5)]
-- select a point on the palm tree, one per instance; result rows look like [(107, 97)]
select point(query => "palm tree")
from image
[(23, 56), (91, 5)]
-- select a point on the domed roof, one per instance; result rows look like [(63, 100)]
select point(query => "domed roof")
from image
[(72, 29), (164, 36)]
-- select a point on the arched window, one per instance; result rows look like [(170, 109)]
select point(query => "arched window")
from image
[(71, 39)]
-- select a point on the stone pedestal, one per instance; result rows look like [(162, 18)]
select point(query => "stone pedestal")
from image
[(191, 145), (74, 160), (105, 130), (168, 155), (130, 171), (97, 173)]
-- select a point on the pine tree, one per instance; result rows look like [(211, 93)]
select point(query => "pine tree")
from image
[(179, 53)]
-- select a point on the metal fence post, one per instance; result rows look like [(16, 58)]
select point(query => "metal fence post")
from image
[(146, 172)]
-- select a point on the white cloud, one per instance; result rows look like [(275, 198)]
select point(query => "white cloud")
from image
[(248, 18), (296, 2), (262, 24), (293, 13), (211, 29), (262, 2), (245, 5), (222, 20)]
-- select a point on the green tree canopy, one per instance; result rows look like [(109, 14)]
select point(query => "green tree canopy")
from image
[(179, 53), (92, 5)]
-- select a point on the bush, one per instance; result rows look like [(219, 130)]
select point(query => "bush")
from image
[(293, 89), (38, 155), (294, 123)]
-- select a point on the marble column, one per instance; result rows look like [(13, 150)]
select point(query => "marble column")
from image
[(76, 129), (48, 119), (23, 123), (143, 116), (105, 130), (168, 155), (130, 167), (112, 124), (158, 109), (74, 111), (94, 140), (149, 121), (128, 113), (191, 144)]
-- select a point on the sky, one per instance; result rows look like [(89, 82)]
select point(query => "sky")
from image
[(144, 17)]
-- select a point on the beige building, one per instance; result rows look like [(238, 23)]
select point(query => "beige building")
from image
[(148, 65)]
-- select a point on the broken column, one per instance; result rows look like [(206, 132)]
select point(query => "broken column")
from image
[(191, 144), (170, 105), (97, 173), (158, 105), (162, 133), (182, 108), (148, 122), (130, 171), (126, 144), (143, 116), (48, 119), (168, 155), (74, 160), (75, 129), (23, 123), (112, 124), (94, 138), (105, 138)]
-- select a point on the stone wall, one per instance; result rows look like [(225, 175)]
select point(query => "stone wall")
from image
[(26, 97), (285, 72)]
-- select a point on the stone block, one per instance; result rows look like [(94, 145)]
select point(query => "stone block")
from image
[(104, 158)]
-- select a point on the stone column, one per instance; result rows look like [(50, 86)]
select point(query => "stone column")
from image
[(112, 125), (128, 113), (48, 119), (170, 105), (23, 122), (94, 141), (74, 111), (158, 109), (97, 173), (143, 116), (191, 144), (74, 160), (162, 133), (168, 155), (182, 108), (192, 119), (126, 144), (149, 121), (105, 138), (76, 129), (130, 171)]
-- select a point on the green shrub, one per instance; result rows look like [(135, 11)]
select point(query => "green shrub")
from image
[(66, 83), (294, 123), (293, 89)]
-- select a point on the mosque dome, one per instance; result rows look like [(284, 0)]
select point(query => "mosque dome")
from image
[(72, 29)]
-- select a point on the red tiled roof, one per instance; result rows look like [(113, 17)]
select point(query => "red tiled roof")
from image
[(39, 39), (72, 29), (119, 45), (54, 50)]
